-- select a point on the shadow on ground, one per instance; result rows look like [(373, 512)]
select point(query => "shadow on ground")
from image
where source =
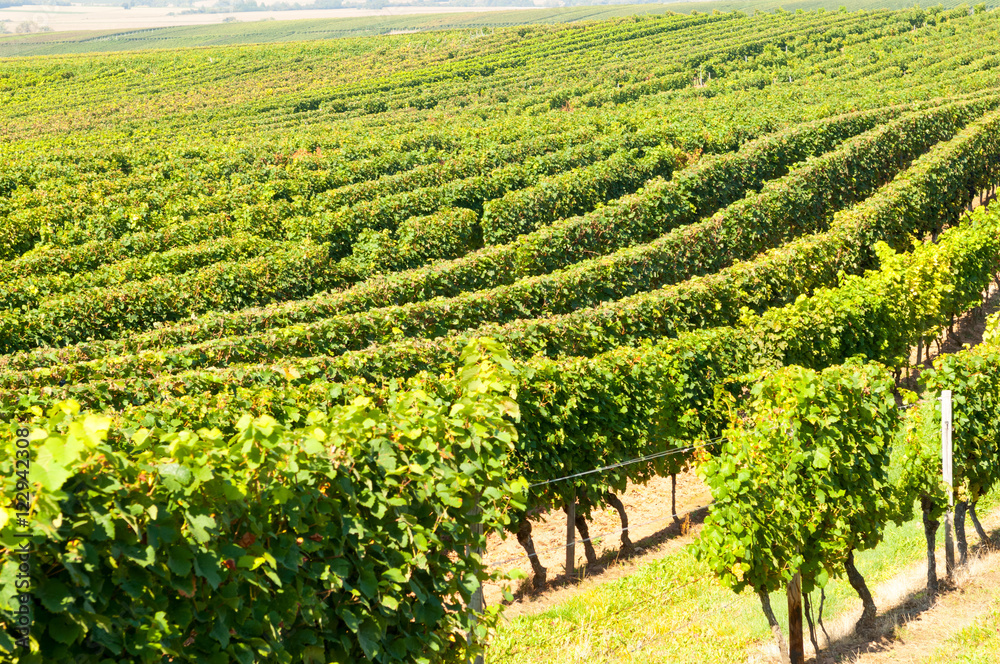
[(679, 527), (884, 636)]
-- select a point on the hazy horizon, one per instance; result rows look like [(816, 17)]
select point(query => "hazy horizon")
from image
[(64, 18)]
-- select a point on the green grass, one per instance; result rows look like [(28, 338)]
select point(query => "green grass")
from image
[(673, 610)]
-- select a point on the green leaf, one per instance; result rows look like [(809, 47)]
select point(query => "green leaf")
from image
[(220, 630), (369, 637), (207, 567), (821, 458), (55, 595), (179, 560), (174, 475), (822, 577), (199, 524)]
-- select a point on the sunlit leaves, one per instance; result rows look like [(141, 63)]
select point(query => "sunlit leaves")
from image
[(803, 480)]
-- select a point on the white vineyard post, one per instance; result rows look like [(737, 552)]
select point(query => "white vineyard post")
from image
[(946, 472), (571, 533)]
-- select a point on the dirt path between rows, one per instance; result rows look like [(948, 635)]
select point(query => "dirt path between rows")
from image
[(653, 531), (977, 592)]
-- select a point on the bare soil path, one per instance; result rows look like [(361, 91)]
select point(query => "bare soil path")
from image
[(653, 531), (912, 625)]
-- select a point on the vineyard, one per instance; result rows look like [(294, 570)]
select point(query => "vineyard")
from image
[(289, 331)]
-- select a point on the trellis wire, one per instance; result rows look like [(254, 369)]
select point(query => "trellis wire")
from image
[(658, 455), (648, 457)]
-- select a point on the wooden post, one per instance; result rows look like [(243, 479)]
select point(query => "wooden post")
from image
[(571, 534), (476, 601), (796, 647), (673, 496), (946, 472)]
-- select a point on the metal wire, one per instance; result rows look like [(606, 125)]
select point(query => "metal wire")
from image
[(655, 455), (648, 457)]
